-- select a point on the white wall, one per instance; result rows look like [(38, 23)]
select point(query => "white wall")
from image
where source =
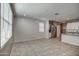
[(47, 29), (58, 31), (28, 29)]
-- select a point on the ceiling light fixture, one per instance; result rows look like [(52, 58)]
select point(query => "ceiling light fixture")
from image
[(24, 14)]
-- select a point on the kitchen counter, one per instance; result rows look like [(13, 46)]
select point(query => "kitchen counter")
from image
[(71, 38), (73, 34)]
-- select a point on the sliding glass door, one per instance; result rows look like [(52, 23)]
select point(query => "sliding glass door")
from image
[(6, 23)]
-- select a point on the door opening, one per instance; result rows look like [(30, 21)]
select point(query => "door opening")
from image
[(54, 29)]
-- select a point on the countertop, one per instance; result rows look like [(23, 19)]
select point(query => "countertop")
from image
[(74, 34)]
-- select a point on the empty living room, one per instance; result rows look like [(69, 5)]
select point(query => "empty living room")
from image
[(39, 29)]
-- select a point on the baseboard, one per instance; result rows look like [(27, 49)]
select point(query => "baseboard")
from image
[(28, 40)]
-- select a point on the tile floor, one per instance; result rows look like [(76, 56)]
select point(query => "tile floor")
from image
[(6, 50), (43, 47)]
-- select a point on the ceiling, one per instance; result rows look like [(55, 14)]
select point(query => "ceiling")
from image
[(49, 11)]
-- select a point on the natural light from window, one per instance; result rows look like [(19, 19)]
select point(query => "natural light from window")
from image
[(6, 23), (41, 27)]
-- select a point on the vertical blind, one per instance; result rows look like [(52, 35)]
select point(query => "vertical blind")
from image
[(6, 22)]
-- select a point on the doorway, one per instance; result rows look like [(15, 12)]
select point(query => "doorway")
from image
[(54, 29)]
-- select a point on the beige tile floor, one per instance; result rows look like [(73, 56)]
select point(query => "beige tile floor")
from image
[(43, 47), (6, 50)]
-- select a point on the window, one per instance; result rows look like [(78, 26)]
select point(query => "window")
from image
[(73, 27), (5, 11), (41, 27), (6, 23)]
